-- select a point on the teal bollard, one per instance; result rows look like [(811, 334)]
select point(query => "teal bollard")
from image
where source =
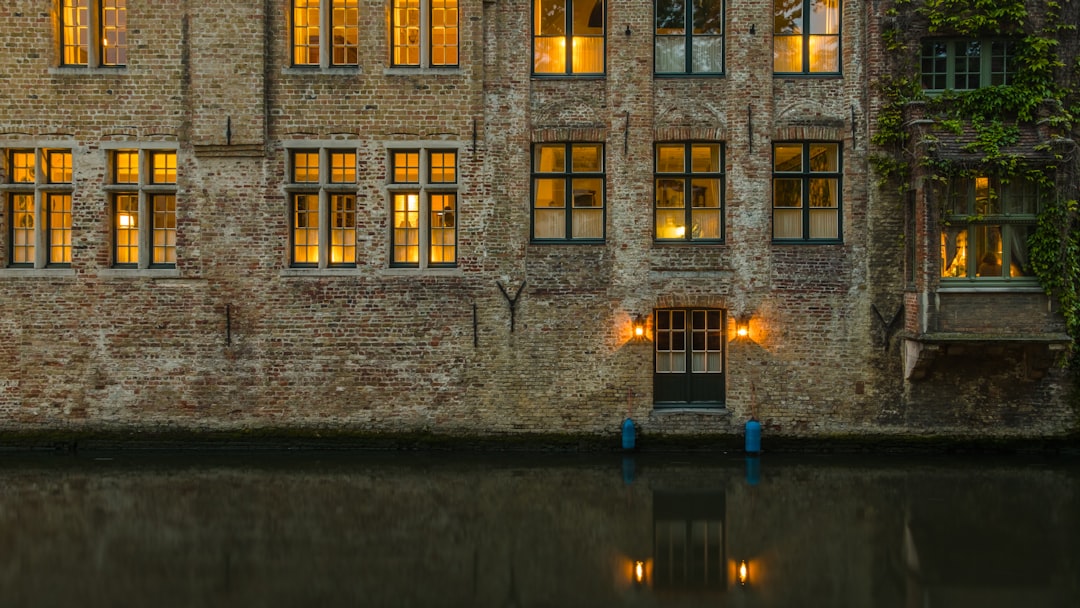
[(753, 436), (629, 434)]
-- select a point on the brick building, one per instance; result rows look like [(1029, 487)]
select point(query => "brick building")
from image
[(438, 216)]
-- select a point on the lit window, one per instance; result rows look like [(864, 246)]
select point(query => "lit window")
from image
[(987, 227), (93, 33), (423, 191), (568, 192), (689, 192), (424, 33), (967, 64), (142, 193), (806, 191), (322, 191), (689, 37), (311, 19), (806, 36), (568, 36), (38, 191)]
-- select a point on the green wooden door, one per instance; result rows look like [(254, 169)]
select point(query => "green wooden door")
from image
[(689, 369)]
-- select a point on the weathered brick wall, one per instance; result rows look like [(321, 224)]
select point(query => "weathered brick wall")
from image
[(234, 339)]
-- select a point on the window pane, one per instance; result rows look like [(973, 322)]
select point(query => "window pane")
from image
[(588, 224), (967, 66), (588, 55), (823, 192), (406, 228), (59, 166), (669, 193), (954, 251), (549, 193), (787, 193), (443, 167), (342, 167), (586, 158), (444, 32), (708, 17), (550, 158), (23, 232), (934, 66), (988, 251), (1016, 239), (345, 23), (787, 157), (825, 16), (306, 229), (306, 167), (342, 229), (406, 168), (588, 17), (443, 229), (114, 32), (824, 53), (705, 158), (823, 224), (127, 228), (550, 17), (406, 32), (670, 54), (670, 224), (670, 17), (126, 167), (824, 158), (306, 32), (75, 19), (164, 165), (708, 54), (22, 169), (549, 224), (550, 55), (164, 229), (787, 224), (706, 224), (787, 17), (588, 192), (670, 158)]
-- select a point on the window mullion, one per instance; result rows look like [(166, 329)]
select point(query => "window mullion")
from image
[(326, 40), (425, 33), (144, 227), (93, 52), (41, 253), (324, 226)]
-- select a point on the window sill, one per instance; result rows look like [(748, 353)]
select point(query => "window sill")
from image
[(36, 273), (713, 409), (74, 70), (139, 273), (424, 71), (684, 75), (808, 75), (988, 286), (342, 71), (427, 272), (307, 273)]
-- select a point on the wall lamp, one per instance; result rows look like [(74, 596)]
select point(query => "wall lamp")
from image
[(640, 322), (742, 327), (743, 573), (639, 572)]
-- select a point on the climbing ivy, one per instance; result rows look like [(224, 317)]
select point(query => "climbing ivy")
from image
[(993, 114)]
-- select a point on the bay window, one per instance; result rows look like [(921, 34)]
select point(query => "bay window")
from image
[(987, 224)]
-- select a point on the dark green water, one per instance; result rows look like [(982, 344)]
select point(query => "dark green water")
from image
[(407, 529)]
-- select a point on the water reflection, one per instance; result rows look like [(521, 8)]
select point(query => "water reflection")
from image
[(542, 530)]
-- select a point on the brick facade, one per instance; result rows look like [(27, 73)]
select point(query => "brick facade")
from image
[(234, 338)]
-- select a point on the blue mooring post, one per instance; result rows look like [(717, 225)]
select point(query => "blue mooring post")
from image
[(753, 436), (629, 434)]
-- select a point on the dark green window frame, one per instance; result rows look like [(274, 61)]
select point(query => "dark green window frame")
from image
[(985, 230), (568, 184), (807, 37), (807, 191), (559, 26), (967, 64), (688, 37), (689, 197)]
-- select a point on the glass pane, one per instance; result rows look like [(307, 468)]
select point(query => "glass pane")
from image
[(550, 17), (75, 19), (698, 362), (787, 16), (22, 228), (22, 170), (586, 158), (988, 251), (708, 17), (670, 224), (306, 229), (406, 167), (342, 167), (787, 193), (823, 192), (824, 53), (663, 319), (342, 229), (787, 54), (125, 167), (406, 233), (934, 65), (306, 167), (549, 158), (164, 165), (787, 224), (443, 167), (787, 157), (59, 228), (825, 16), (954, 251), (588, 192), (705, 158), (549, 55), (825, 158), (706, 224), (164, 233), (127, 228), (588, 224), (549, 192), (708, 54), (670, 55), (669, 193), (444, 32), (670, 17), (346, 31), (705, 193), (588, 18), (306, 32), (986, 199), (59, 167), (670, 158), (588, 54), (443, 229), (549, 224), (1016, 244), (823, 224)]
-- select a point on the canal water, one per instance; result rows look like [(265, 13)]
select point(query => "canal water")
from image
[(545, 530)]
